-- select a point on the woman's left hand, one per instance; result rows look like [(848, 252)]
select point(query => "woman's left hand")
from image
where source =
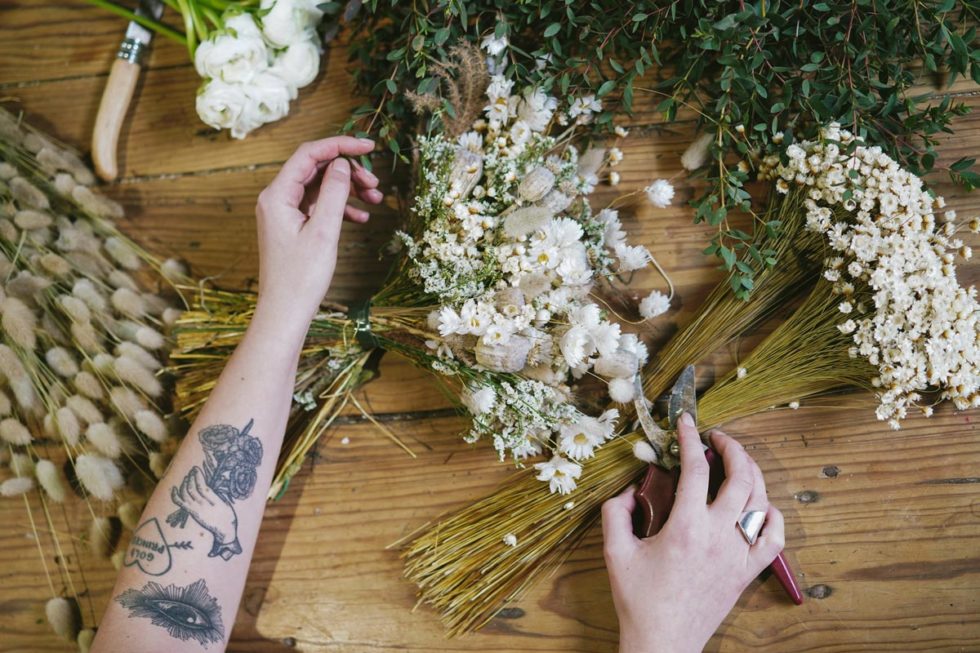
[(299, 216)]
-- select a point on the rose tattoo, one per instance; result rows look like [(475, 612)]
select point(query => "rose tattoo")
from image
[(229, 473)]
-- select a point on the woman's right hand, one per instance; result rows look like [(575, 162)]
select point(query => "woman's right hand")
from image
[(673, 590)]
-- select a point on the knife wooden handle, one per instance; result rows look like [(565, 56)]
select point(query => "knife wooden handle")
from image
[(118, 92)]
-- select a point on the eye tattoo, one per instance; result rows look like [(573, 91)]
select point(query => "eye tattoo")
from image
[(186, 612), (207, 493)]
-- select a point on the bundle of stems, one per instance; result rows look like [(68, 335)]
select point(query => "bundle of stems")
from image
[(722, 317), (334, 364), (198, 17), (465, 571)]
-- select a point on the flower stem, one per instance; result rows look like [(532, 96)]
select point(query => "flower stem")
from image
[(148, 23)]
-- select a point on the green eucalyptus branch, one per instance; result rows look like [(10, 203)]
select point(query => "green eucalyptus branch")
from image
[(753, 72)]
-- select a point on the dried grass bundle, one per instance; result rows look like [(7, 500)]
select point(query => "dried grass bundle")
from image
[(333, 365)]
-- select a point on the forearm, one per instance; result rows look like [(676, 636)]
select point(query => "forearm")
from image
[(185, 567)]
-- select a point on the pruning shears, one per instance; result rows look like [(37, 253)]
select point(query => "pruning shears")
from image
[(655, 495)]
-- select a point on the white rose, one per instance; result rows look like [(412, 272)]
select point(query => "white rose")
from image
[(299, 64), (220, 105), (231, 59), (289, 21)]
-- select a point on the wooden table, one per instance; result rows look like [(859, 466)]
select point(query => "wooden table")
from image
[(882, 527)]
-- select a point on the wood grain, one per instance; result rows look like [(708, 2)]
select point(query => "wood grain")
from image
[(881, 526)]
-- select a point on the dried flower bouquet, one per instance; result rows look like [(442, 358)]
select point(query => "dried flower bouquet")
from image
[(886, 316)]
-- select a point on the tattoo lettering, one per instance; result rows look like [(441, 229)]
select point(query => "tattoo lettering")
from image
[(186, 612), (231, 458), (149, 550)]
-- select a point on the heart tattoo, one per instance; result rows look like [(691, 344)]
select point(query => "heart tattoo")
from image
[(149, 550)]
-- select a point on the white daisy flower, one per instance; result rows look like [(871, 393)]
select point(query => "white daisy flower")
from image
[(559, 473)]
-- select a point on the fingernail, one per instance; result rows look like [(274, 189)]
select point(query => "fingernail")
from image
[(687, 420), (367, 141), (341, 166)]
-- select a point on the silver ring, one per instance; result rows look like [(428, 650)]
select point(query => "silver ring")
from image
[(750, 523)]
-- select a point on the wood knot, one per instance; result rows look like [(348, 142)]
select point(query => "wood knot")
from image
[(830, 471), (511, 613), (819, 591), (807, 496)]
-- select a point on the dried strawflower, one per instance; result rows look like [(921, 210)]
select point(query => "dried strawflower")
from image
[(660, 193), (654, 304)]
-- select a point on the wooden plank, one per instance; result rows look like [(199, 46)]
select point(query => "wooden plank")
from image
[(892, 534), (321, 576), (67, 39)]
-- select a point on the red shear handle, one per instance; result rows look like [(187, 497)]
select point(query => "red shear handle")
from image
[(654, 499)]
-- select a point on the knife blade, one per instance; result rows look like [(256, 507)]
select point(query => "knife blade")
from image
[(119, 90)]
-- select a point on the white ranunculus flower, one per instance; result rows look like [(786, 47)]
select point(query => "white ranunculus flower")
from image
[(243, 25), (299, 64), (231, 59), (289, 21), (220, 105), (268, 101)]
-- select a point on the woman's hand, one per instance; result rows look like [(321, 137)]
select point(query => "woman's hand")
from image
[(673, 590), (299, 216)]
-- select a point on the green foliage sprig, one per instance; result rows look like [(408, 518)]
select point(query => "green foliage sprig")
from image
[(750, 71)]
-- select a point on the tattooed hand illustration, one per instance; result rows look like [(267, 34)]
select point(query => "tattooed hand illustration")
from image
[(229, 473), (208, 509)]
